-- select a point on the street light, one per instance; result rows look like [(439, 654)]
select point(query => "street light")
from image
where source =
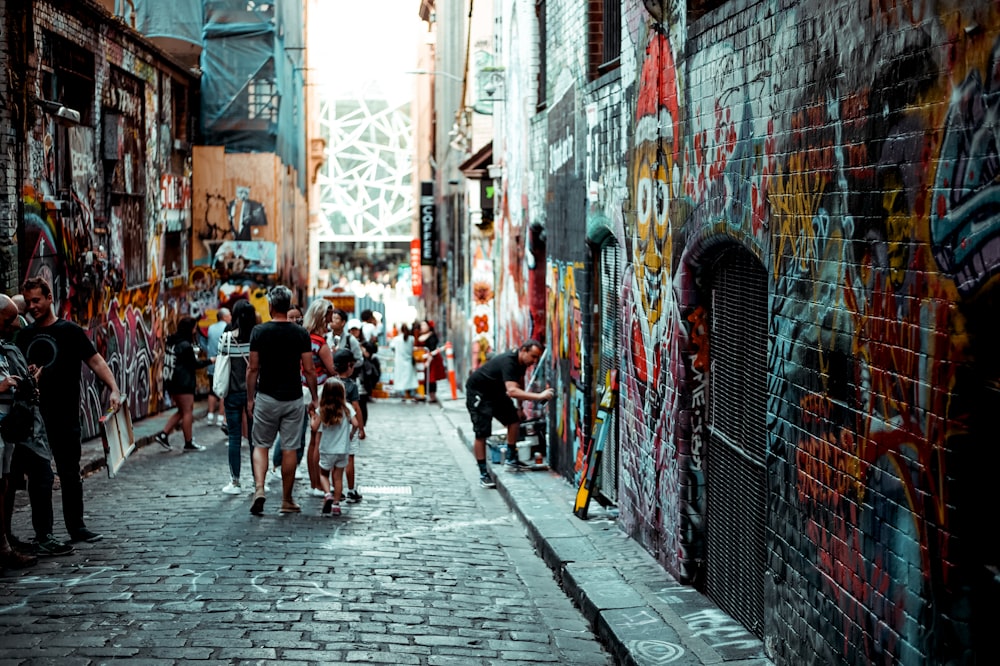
[(436, 73)]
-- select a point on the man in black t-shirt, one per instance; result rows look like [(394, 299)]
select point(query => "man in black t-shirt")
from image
[(274, 394), (489, 393), (58, 347)]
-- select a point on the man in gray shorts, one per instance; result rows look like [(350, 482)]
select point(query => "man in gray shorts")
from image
[(274, 395)]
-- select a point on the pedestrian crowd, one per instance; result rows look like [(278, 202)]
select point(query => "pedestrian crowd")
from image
[(296, 387)]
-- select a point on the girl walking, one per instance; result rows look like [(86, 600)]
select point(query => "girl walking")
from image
[(332, 427)]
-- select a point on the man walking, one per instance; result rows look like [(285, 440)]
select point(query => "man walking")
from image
[(215, 331), (57, 347), (274, 395), (489, 393)]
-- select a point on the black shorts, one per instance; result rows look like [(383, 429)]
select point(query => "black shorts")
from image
[(483, 411)]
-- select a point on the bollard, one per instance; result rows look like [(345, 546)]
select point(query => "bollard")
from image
[(450, 358)]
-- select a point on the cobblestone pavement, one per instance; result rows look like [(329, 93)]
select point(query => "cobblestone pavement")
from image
[(428, 569)]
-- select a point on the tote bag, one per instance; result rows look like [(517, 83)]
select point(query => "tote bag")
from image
[(223, 366)]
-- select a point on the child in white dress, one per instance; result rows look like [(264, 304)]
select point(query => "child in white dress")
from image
[(333, 425)]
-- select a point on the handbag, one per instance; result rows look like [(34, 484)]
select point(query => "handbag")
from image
[(223, 365), (19, 423)]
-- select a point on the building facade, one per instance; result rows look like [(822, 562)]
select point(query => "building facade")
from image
[(773, 221), (97, 188)]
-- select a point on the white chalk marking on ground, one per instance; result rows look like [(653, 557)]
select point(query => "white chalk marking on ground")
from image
[(49, 584), (258, 588)]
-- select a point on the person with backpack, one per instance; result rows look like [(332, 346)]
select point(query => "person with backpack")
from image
[(317, 322), (179, 366)]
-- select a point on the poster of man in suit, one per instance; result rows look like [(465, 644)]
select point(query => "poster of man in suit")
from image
[(245, 213)]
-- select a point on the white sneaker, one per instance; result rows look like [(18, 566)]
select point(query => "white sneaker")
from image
[(316, 492), (210, 419), (300, 473), (233, 488)]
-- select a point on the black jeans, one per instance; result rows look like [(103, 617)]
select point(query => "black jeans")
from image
[(64, 440), (27, 464)]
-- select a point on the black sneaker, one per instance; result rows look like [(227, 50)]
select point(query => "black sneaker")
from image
[(516, 465), (163, 439), (51, 546), (191, 446), (83, 534), (486, 481), (353, 496), (224, 427)]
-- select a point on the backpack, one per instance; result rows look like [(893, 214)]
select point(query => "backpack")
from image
[(370, 375)]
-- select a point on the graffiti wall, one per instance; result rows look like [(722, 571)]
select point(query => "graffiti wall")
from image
[(249, 218), (565, 321), (855, 181), (93, 203), (520, 281)]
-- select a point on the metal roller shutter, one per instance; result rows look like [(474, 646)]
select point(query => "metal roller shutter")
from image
[(610, 354), (735, 474)]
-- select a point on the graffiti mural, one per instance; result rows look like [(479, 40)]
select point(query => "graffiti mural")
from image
[(483, 293), (515, 260), (870, 203), (565, 321), (92, 202)]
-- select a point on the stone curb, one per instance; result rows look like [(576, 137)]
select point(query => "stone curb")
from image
[(634, 606)]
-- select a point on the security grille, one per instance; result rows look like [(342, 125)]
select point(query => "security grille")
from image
[(610, 354), (735, 476)]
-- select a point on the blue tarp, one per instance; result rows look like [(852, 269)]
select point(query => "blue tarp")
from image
[(177, 19), (253, 79)]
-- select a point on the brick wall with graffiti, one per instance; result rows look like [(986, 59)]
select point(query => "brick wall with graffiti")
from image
[(861, 184), (105, 199), (849, 149)]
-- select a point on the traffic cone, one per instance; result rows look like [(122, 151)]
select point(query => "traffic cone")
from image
[(449, 355)]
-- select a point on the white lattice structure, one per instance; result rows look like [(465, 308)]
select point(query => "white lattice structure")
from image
[(365, 186)]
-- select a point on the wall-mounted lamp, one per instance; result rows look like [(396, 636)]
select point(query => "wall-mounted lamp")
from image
[(493, 83), (64, 114)]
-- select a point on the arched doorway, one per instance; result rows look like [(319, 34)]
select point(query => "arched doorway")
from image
[(736, 481)]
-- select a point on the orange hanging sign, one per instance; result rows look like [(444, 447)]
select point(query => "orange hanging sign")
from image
[(415, 274)]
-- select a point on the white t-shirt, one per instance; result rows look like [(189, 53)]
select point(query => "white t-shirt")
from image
[(335, 439)]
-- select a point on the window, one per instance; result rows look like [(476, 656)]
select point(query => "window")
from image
[(262, 102), (605, 39)]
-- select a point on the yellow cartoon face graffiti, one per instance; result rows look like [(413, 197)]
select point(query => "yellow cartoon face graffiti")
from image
[(651, 235)]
